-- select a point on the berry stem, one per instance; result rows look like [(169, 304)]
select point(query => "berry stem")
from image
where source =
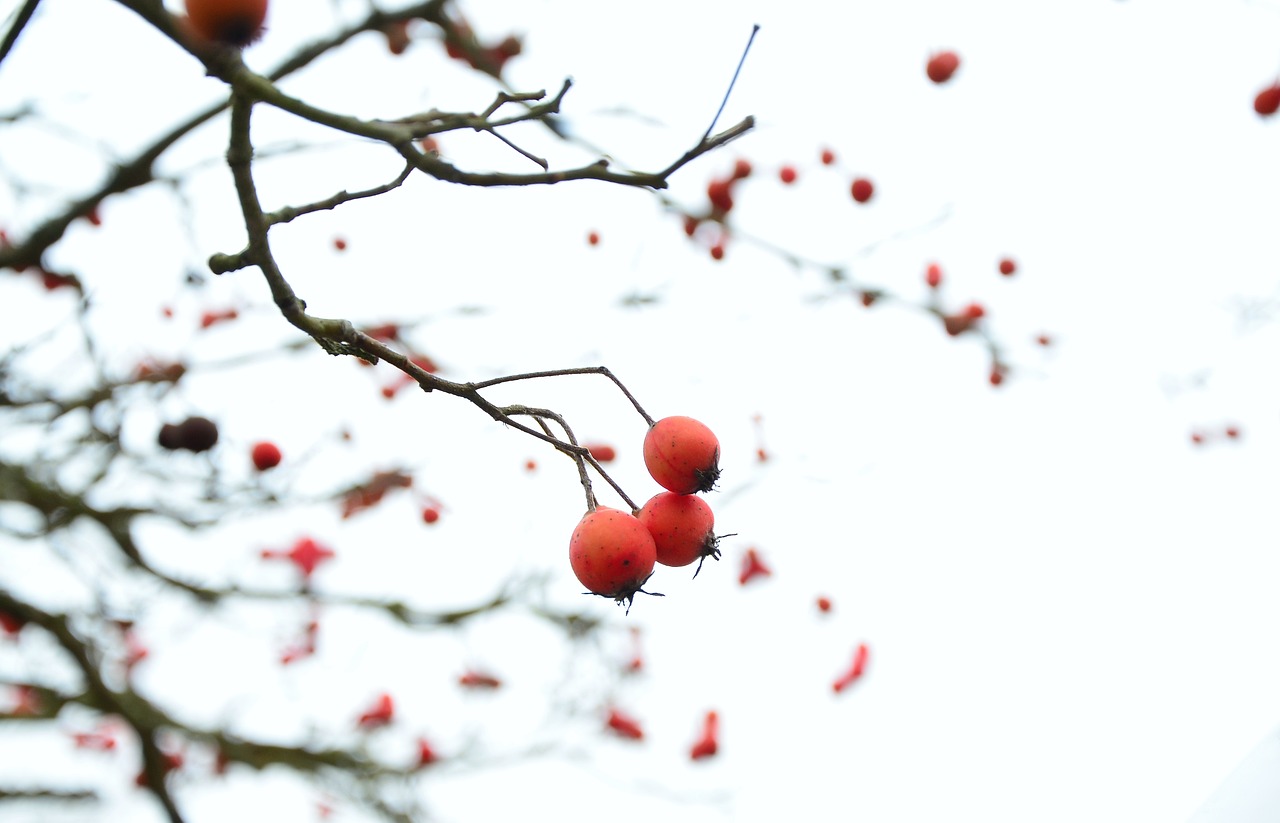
[(604, 370)]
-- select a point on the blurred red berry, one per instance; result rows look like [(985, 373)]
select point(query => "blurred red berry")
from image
[(708, 744), (828, 157), (624, 725), (752, 567), (855, 670), (824, 604), (1267, 102), (472, 679), (787, 174), (379, 714), (593, 238), (266, 455), (1008, 266), (741, 169), (942, 65), (862, 189), (602, 452)]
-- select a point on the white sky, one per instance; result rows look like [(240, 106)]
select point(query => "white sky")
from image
[(1071, 610)]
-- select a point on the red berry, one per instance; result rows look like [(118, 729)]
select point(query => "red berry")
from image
[(681, 525), (720, 195), (235, 22), (1008, 266), (612, 553), (426, 754), (593, 238), (1232, 431), (682, 454), (379, 714), (855, 670), (828, 157), (933, 275), (717, 251), (996, 377), (975, 311), (624, 725), (602, 452), (824, 604), (1267, 102), (787, 174), (340, 244), (430, 514), (266, 456), (752, 567), (1197, 438), (691, 225), (862, 189), (1044, 340), (708, 744), (942, 65), (741, 169), (472, 679)]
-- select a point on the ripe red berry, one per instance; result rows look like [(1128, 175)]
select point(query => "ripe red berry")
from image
[(691, 225), (681, 525), (862, 189), (266, 456), (1008, 266), (430, 514), (828, 157), (933, 275), (340, 244), (612, 553), (975, 311), (824, 604), (1232, 431), (1267, 102), (942, 65), (717, 251), (593, 238), (1197, 438), (741, 169), (602, 452), (235, 22), (787, 174), (682, 454)]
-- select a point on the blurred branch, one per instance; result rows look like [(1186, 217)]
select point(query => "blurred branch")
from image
[(20, 21)]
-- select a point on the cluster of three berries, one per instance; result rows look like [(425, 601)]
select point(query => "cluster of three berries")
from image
[(613, 552)]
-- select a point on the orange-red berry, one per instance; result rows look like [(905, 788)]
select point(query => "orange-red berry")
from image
[(682, 454), (612, 553), (682, 528)]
